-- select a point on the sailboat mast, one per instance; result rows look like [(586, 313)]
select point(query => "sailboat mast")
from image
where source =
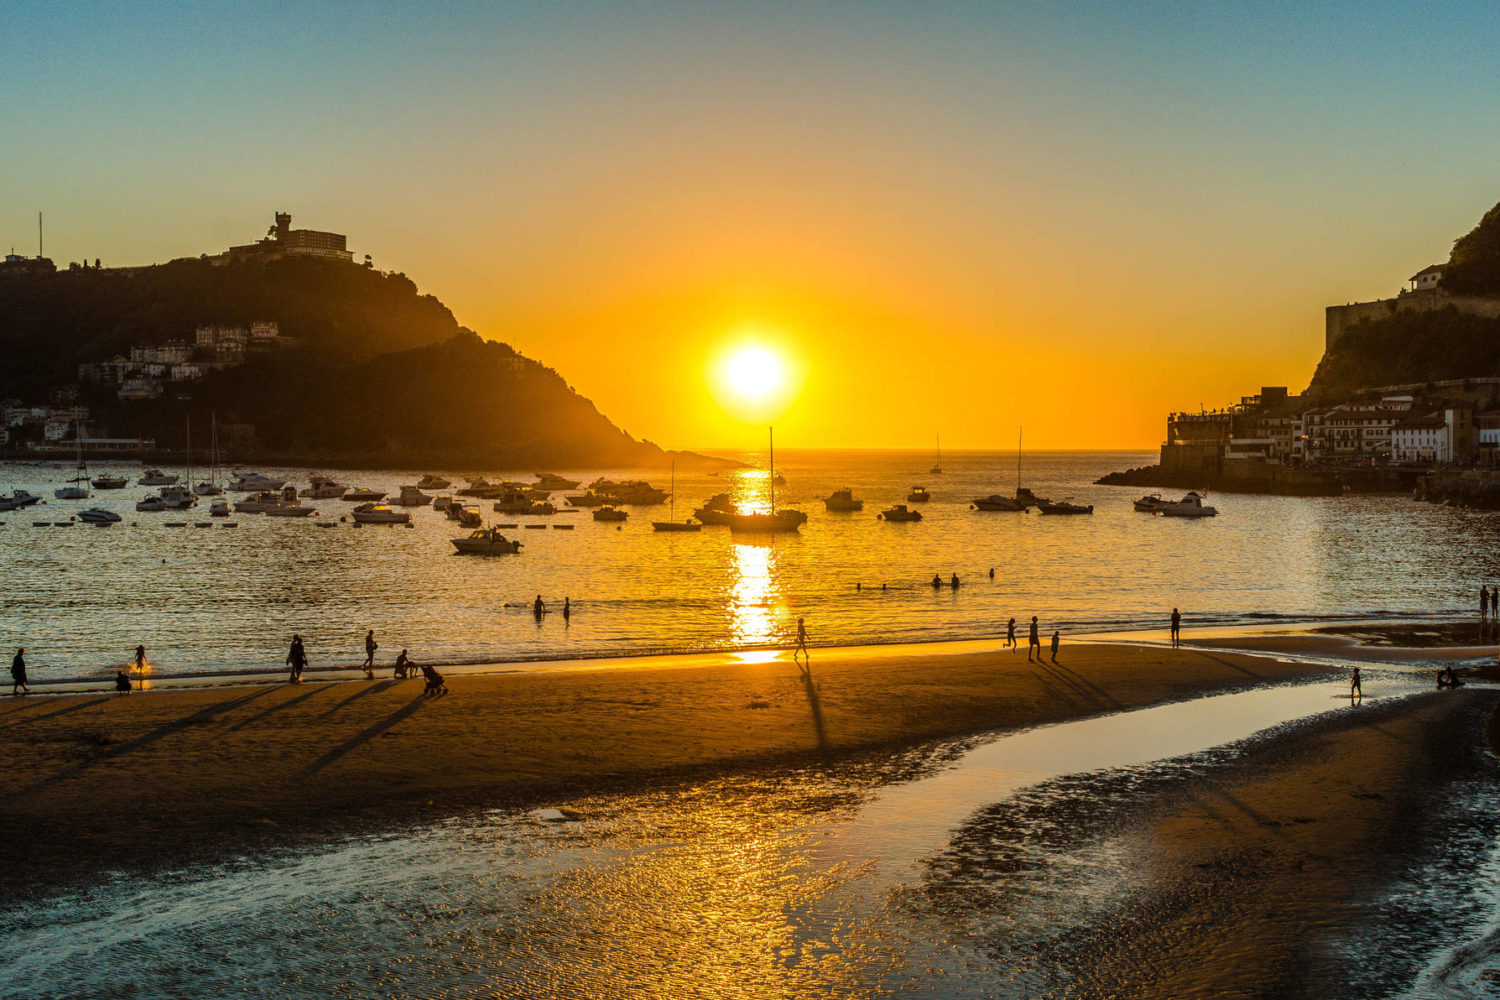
[(771, 433), (674, 490), (190, 451), (1019, 432)]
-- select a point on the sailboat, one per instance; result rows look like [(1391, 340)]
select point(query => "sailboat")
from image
[(777, 520), (937, 460), (79, 484), (674, 524), (1017, 504), (211, 487)]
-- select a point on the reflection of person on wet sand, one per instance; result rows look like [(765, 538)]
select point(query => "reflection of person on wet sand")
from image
[(801, 647), (1354, 689), (1036, 642)]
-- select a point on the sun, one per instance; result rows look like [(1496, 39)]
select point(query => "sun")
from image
[(753, 373)]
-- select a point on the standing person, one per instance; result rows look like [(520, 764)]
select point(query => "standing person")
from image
[(1495, 603), (1484, 602), (1010, 636), (567, 610), (955, 581), (937, 582), (1056, 638), (370, 647), (1176, 629), (296, 658), (1036, 642), (992, 572), (538, 608), (18, 684), (1354, 688), (801, 641), (140, 667)]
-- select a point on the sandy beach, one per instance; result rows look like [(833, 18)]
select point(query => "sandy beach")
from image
[(101, 780)]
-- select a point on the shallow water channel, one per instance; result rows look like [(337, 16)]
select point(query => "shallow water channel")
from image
[(868, 878)]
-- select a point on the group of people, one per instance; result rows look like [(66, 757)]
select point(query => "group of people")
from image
[(1034, 643), (539, 609), (20, 686), (405, 666)]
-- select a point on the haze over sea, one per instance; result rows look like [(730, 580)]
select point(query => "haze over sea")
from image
[(227, 600)]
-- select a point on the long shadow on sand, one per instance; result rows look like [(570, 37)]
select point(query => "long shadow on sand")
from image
[(275, 708), (817, 708), (365, 735), (1084, 687), (368, 689), (7, 723)]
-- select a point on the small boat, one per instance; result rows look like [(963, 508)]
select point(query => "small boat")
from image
[(899, 512), (259, 503), (843, 501), (1064, 507), (111, 483), (379, 513), (156, 477), (293, 509), (550, 481), (152, 505), (323, 488), (718, 509), (477, 488), (1149, 504), (588, 499), (412, 497), (487, 542), (774, 522), (937, 459), (17, 500), (517, 502), (96, 516), (178, 497), (219, 508), (363, 495), (672, 524), (638, 493), (1189, 506), (72, 492), (996, 501), (443, 501), (433, 483), (78, 486), (918, 494), (210, 487), (608, 513), (252, 482), (468, 515)]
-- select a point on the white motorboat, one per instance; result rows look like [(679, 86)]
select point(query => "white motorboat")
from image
[(918, 494), (552, 482), (251, 482), (208, 489), (1149, 504), (219, 508), (412, 497), (587, 499), (487, 542), (430, 482), (293, 509), (96, 516), (152, 505), (843, 501), (110, 482), (156, 477), (518, 502), (379, 513), (259, 503), (178, 497), (364, 495), (323, 488), (1191, 505)]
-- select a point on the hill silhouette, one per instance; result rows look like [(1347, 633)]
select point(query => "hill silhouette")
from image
[(378, 373)]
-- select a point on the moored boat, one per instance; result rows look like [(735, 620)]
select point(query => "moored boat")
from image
[(323, 488), (900, 512), (1191, 505), (767, 522), (717, 509), (918, 494), (412, 497), (219, 508), (363, 495), (110, 482), (17, 500), (608, 513), (587, 499), (552, 481), (843, 501), (156, 477), (1149, 504), (251, 482), (152, 505), (379, 513), (96, 516), (518, 502), (486, 542), (430, 482), (1064, 507)]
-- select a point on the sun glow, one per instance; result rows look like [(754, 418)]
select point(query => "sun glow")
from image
[(754, 380)]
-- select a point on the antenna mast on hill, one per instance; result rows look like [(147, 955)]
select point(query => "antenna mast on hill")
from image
[(39, 254)]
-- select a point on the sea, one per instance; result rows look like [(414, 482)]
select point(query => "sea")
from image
[(207, 599)]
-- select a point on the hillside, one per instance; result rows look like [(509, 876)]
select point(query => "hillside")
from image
[(378, 373), (1409, 347)]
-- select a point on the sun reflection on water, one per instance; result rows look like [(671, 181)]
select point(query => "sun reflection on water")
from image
[(753, 599)]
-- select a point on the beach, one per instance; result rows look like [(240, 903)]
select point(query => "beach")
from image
[(100, 780)]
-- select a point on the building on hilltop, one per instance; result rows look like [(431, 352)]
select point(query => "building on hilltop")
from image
[(284, 241), (14, 264), (1427, 279)]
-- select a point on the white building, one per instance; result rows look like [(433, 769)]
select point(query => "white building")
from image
[(264, 333), (1432, 438), (1427, 278)]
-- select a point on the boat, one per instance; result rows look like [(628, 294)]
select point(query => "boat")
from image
[(588, 499), (152, 505), (430, 482), (78, 486), (899, 512), (843, 501), (468, 515), (717, 509), (637, 493), (486, 542), (412, 497), (379, 513), (177, 497), (1064, 507), (672, 524), (608, 513), (364, 495), (156, 477), (918, 494), (110, 482), (997, 501), (323, 488), (1149, 503), (1189, 506), (17, 500), (210, 487), (443, 501), (252, 482), (96, 516), (260, 502), (477, 488), (517, 502), (219, 508), (768, 522), (293, 509), (937, 458), (550, 481)]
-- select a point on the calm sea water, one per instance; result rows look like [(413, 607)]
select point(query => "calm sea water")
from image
[(221, 600)]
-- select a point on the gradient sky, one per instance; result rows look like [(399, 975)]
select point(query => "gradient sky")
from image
[(951, 217)]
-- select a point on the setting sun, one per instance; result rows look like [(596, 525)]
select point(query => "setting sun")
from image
[(754, 380)]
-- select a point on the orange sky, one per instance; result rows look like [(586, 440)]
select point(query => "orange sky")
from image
[(955, 219)]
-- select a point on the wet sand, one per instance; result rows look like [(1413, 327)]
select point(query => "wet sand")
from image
[(97, 781), (1360, 646)]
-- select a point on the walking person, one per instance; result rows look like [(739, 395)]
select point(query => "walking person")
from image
[(567, 610), (370, 647), (1056, 636), (538, 608), (18, 684), (1010, 635), (1035, 644), (1176, 629), (802, 642), (140, 667), (1354, 687), (296, 658), (955, 581)]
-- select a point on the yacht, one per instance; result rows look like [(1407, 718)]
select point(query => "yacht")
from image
[(918, 494), (633, 491), (78, 486), (773, 522), (156, 477), (260, 503), (210, 487), (996, 501), (17, 500), (96, 516), (219, 508), (293, 509), (323, 488), (717, 509), (671, 523), (1149, 504), (433, 483), (364, 495), (412, 497), (178, 497), (1189, 506), (589, 499), (551, 482), (379, 513), (899, 512), (152, 505), (111, 483), (1064, 507), (608, 513), (487, 542), (477, 487), (517, 502), (843, 501), (251, 482), (443, 501)]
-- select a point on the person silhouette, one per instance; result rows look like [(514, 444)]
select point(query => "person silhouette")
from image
[(1355, 690), (18, 685), (1176, 629), (567, 610), (937, 582), (370, 647), (1484, 602), (1056, 637), (1010, 635), (538, 608), (1036, 642), (801, 641), (296, 658), (122, 682), (140, 666), (955, 581)]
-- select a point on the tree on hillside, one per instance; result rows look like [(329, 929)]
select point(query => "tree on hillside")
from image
[(1474, 267)]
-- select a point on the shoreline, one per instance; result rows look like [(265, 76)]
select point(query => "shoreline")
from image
[(101, 782)]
